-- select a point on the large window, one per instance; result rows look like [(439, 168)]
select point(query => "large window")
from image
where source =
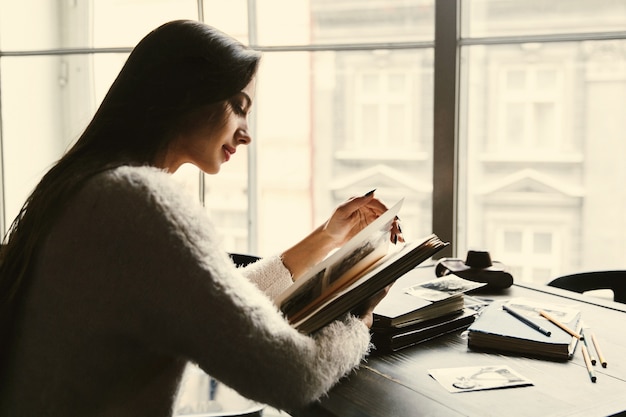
[(543, 89), (345, 104)]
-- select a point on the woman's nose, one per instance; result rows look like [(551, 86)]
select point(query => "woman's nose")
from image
[(243, 137)]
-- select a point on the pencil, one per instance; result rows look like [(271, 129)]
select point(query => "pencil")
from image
[(598, 351), (592, 374), (526, 320), (561, 325), (591, 357)]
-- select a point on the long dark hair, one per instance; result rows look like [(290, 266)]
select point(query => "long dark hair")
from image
[(177, 69)]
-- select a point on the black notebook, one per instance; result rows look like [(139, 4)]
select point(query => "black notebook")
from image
[(497, 330), (388, 339)]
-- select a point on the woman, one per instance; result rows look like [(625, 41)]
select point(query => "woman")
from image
[(111, 281)]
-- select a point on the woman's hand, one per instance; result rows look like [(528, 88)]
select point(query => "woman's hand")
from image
[(366, 310), (347, 220), (354, 215)]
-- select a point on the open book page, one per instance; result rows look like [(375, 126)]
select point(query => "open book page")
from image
[(340, 268)]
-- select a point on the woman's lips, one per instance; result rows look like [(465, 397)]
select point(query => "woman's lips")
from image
[(228, 152)]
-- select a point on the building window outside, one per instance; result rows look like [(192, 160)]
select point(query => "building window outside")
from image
[(530, 251), (383, 109), (531, 115)]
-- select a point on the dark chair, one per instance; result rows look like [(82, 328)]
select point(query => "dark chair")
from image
[(241, 259), (594, 280)]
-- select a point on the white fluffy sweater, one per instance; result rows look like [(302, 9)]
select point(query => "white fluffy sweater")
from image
[(130, 285)]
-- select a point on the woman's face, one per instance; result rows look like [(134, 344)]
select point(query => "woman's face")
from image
[(209, 146)]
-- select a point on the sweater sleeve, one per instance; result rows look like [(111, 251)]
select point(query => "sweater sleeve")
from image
[(270, 275), (184, 297)]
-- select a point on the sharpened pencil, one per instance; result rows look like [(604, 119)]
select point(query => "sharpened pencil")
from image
[(561, 325), (598, 351), (525, 320), (592, 374)]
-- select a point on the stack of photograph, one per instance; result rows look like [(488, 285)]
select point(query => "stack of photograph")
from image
[(412, 314)]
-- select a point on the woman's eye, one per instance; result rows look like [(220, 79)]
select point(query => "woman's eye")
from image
[(239, 108)]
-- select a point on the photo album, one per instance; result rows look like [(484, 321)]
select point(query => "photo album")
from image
[(366, 264)]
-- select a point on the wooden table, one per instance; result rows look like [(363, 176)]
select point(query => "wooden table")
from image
[(398, 384)]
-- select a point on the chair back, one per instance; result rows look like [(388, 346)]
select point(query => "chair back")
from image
[(242, 259), (594, 280)]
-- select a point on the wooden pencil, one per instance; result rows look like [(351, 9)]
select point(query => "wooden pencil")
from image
[(590, 371), (598, 351), (561, 325)]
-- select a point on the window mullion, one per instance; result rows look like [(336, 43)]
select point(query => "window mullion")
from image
[(445, 137), (253, 202)]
